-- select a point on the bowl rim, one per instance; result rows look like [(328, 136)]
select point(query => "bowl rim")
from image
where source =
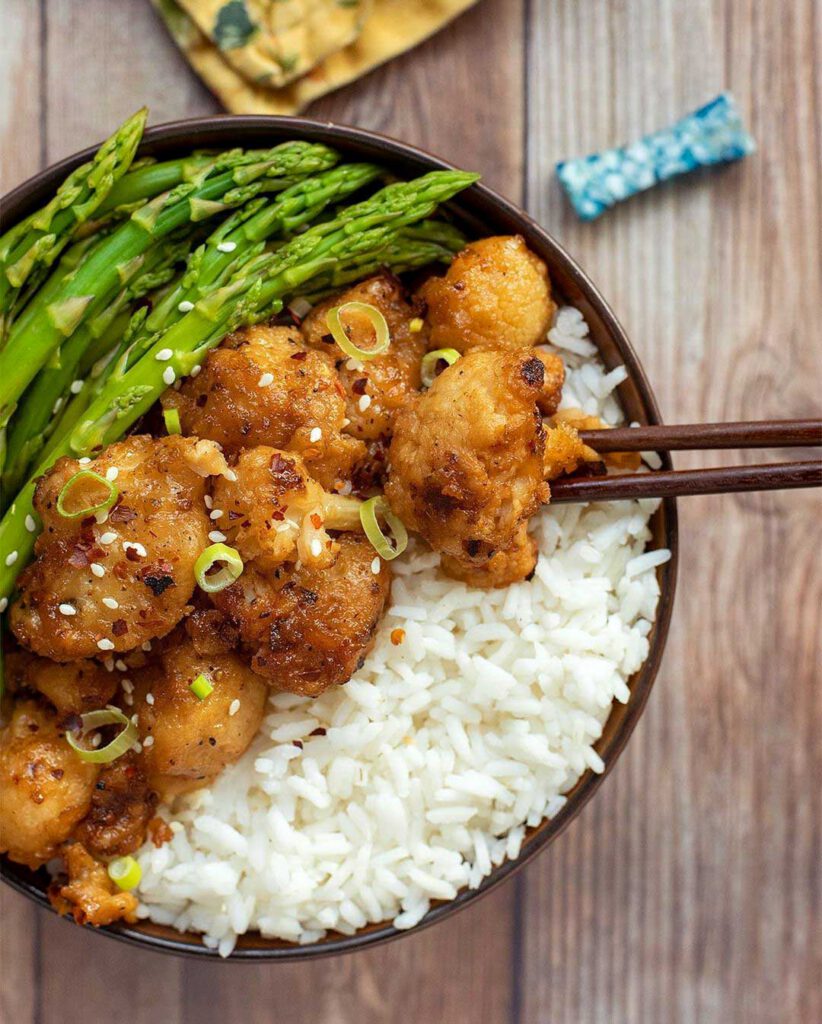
[(185, 134)]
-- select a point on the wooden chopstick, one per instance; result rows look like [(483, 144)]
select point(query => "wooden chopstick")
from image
[(680, 483), (698, 436)]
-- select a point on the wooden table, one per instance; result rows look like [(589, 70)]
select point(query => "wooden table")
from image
[(689, 889)]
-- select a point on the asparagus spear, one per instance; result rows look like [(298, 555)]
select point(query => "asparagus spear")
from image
[(28, 429), (114, 262), (37, 241), (370, 227)]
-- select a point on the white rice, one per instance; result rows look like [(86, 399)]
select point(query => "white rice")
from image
[(426, 768)]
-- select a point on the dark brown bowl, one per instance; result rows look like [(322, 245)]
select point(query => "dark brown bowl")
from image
[(480, 211)]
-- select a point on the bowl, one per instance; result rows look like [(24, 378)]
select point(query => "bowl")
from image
[(480, 211)]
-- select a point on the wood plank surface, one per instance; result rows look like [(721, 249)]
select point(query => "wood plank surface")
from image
[(689, 889)]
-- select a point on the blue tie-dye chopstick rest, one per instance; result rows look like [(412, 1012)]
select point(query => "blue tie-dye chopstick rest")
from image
[(714, 134)]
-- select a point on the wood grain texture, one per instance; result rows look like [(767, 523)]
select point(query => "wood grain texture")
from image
[(689, 890)]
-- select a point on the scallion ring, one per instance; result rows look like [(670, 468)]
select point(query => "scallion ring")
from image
[(377, 321), (232, 568), (369, 512), (430, 360), (201, 687), (87, 510), (122, 742), (125, 872), (171, 418)]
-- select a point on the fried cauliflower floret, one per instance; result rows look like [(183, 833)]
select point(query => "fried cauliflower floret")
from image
[(112, 585), (73, 687), (45, 789), (89, 895), (465, 463), (551, 393), (310, 629), (501, 569), (187, 741), (496, 294), (121, 806), (576, 419), (271, 508), (262, 386), (375, 388)]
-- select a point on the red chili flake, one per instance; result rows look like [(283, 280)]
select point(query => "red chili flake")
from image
[(319, 731), (85, 551), (359, 386), (158, 577), (119, 627), (299, 356), (121, 514), (234, 515), (397, 636), (133, 555), (316, 520), (298, 743), (159, 832), (201, 400)]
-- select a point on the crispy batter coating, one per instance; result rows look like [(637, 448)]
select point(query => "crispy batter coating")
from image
[(125, 580), (551, 393), (190, 740), (121, 806), (310, 629), (564, 451), (262, 386), (386, 380), (578, 420), (73, 687), (495, 294), (465, 464), (501, 569), (90, 896), (274, 508), (45, 789)]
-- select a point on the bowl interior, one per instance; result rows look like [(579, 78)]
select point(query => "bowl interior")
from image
[(480, 212)]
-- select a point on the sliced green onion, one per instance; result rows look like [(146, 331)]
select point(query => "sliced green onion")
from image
[(375, 317), (88, 510), (171, 418), (232, 568), (123, 741), (385, 547), (125, 872), (430, 360), (201, 687)]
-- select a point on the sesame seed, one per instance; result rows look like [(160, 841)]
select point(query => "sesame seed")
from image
[(169, 376), (105, 644), (141, 551), (353, 364), (230, 475), (120, 665), (234, 707), (148, 741), (138, 747), (56, 407), (67, 609), (227, 246), (11, 558), (146, 645), (375, 566), (315, 435), (31, 526), (112, 473), (97, 570), (4, 603), (195, 370), (164, 355), (84, 461), (149, 698), (135, 719), (345, 422), (76, 387), (96, 740), (265, 380), (185, 306), (110, 602), (127, 685), (208, 501), (316, 548), (364, 402), (109, 663), (128, 700), (216, 537), (108, 537), (216, 514)]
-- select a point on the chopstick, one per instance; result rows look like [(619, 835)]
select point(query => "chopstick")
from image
[(700, 436), (683, 482)]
